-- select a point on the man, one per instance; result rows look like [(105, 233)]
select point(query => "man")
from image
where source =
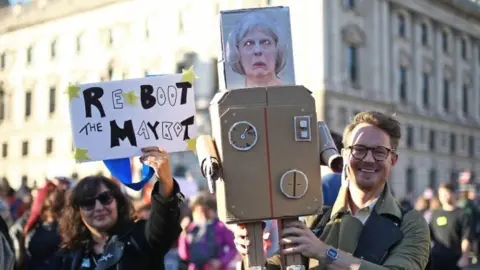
[(451, 232), (365, 220)]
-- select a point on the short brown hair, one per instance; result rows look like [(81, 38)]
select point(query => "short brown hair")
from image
[(447, 186), (380, 120)]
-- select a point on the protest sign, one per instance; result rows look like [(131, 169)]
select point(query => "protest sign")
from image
[(112, 120), (256, 48)]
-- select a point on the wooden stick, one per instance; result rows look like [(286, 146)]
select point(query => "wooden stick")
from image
[(255, 258), (290, 261)]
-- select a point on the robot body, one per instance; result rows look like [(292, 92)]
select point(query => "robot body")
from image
[(268, 148)]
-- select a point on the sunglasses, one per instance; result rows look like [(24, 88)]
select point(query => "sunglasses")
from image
[(105, 198)]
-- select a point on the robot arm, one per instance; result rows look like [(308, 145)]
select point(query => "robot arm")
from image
[(329, 155), (208, 159)]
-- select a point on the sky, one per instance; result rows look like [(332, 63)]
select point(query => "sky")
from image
[(13, 2)]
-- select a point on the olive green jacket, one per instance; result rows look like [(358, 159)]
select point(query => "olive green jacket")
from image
[(343, 232)]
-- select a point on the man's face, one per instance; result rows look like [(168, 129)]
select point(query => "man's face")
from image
[(369, 157), (445, 196)]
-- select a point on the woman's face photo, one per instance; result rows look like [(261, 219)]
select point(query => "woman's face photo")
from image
[(258, 54), (100, 212)]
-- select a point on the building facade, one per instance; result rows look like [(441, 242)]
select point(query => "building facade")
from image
[(419, 59)]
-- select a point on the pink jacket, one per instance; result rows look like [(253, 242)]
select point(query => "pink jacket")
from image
[(224, 239)]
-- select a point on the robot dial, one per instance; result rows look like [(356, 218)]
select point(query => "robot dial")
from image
[(243, 136)]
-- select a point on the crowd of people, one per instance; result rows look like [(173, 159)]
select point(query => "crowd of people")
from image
[(93, 224)]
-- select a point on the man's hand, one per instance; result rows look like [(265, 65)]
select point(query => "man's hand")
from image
[(302, 240), (159, 160)]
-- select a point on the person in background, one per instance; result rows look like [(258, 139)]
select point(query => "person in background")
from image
[(7, 256), (451, 232), (206, 243), (17, 229), (41, 235)]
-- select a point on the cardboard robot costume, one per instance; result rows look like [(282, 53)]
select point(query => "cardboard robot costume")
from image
[(263, 159)]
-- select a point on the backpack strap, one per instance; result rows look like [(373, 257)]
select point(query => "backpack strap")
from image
[(321, 221)]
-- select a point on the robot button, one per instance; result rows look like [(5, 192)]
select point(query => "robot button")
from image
[(303, 123)]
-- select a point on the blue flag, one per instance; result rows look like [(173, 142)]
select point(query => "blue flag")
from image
[(121, 169)]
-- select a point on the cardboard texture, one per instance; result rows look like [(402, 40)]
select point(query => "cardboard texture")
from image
[(256, 48), (278, 170)]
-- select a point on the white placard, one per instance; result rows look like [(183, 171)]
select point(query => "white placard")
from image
[(116, 119)]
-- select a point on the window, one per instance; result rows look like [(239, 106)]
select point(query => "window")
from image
[(49, 146), (402, 77), (465, 99), (446, 95), (424, 34), (29, 55), (53, 49), (432, 179), (401, 25), (25, 148), (432, 140), (410, 136), (4, 150), (78, 43), (454, 177), (110, 73), (352, 64), (410, 180), (471, 146), (110, 37), (463, 48), (3, 61), (445, 41), (425, 89), (52, 95), (28, 104), (350, 4), (147, 29), (2, 103), (453, 143)]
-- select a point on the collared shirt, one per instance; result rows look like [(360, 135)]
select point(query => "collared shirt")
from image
[(364, 213)]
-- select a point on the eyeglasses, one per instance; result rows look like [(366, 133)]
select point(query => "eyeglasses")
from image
[(105, 198), (379, 153)]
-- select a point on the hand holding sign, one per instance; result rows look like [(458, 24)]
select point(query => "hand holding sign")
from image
[(158, 159)]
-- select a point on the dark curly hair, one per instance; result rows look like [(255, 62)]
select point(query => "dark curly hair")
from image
[(74, 232), (50, 200)]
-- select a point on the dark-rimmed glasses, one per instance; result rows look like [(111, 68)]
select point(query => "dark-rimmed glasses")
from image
[(379, 153), (105, 198)]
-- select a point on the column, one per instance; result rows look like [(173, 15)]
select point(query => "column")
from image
[(377, 41), (415, 93), (438, 66), (386, 50), (475, 80)]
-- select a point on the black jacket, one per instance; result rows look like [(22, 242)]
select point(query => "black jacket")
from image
[(145, 243)]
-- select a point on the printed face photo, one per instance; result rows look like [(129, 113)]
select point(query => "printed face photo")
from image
[(257, 47)]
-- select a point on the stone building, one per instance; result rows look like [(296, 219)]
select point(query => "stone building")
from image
[(419, 59)]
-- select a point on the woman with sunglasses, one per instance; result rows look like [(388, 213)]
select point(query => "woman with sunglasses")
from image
[(99, 230)]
